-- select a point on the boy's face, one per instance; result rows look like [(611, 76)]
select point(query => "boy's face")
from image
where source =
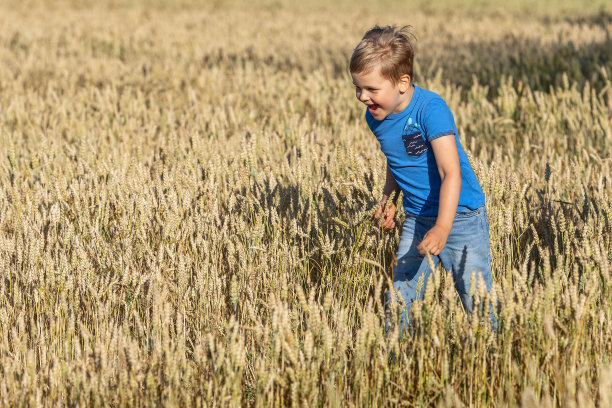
[(380, 95)]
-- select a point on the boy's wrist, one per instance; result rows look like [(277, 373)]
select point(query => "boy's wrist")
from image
[(443, 227), (396, 194), (383, 203)]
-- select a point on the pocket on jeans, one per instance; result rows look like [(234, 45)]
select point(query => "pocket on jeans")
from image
[(486, 221), (414, 143), (468, 214)]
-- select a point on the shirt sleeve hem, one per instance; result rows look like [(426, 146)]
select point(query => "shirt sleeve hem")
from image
[(440, 134)]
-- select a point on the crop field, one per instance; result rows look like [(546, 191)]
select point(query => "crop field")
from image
[(186, 200)]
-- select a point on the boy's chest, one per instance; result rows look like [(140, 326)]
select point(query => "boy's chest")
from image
[(403, 142)]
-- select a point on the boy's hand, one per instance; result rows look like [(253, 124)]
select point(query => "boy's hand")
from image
[(388, 215), (434, 240)]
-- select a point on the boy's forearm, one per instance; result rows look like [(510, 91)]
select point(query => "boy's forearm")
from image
[(391, 187), (449, 200)]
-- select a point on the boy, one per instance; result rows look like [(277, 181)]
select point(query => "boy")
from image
[(443, 201)]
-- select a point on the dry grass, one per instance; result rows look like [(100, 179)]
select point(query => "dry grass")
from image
[(186, 195)]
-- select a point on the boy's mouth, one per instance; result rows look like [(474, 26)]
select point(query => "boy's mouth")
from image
[(372, 108)]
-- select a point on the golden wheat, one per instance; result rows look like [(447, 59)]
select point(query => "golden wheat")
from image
[(186, 199)]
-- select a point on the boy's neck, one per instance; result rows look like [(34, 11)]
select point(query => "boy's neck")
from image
[(406, 97)]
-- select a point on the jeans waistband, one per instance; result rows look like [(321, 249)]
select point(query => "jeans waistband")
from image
[(464, 213), (471, 213)]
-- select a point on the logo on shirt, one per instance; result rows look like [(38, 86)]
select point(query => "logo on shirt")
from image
[(413, 139)]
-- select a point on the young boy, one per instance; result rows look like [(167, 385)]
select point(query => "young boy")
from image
[(443, 201)]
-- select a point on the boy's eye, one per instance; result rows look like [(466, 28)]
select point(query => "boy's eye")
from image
[(367, 89)]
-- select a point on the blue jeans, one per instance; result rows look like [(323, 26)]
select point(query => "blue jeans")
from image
[(467, 250)]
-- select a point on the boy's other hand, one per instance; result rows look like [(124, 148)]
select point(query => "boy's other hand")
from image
[(434, 241), (386, 216)]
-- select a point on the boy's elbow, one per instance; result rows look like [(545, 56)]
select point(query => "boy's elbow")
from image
[(453, 179), (451, 174)]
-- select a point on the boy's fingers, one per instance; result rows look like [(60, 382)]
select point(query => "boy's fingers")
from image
[(388, 223), (391, 222), (425, 246)]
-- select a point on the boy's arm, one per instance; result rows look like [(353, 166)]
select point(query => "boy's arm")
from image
[(447, 159), (391, 187)]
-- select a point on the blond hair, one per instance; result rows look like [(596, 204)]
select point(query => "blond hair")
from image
[(388, 48)]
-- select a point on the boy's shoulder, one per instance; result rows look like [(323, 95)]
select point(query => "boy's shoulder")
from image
[(424, 103), (426, 97), (431, 105)]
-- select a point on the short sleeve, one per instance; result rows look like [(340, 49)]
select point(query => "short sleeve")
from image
[(438, 120)]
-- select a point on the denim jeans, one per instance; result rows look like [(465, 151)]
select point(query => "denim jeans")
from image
[(467, 250)]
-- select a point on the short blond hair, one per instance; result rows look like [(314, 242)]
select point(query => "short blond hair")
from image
[(389, 48)]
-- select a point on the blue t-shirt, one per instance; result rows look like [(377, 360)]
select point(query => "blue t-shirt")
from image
[(405, 139)]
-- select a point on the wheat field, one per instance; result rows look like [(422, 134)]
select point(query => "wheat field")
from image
[(186, 192)]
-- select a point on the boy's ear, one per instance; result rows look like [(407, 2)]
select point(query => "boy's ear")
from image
[(404, 82)]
